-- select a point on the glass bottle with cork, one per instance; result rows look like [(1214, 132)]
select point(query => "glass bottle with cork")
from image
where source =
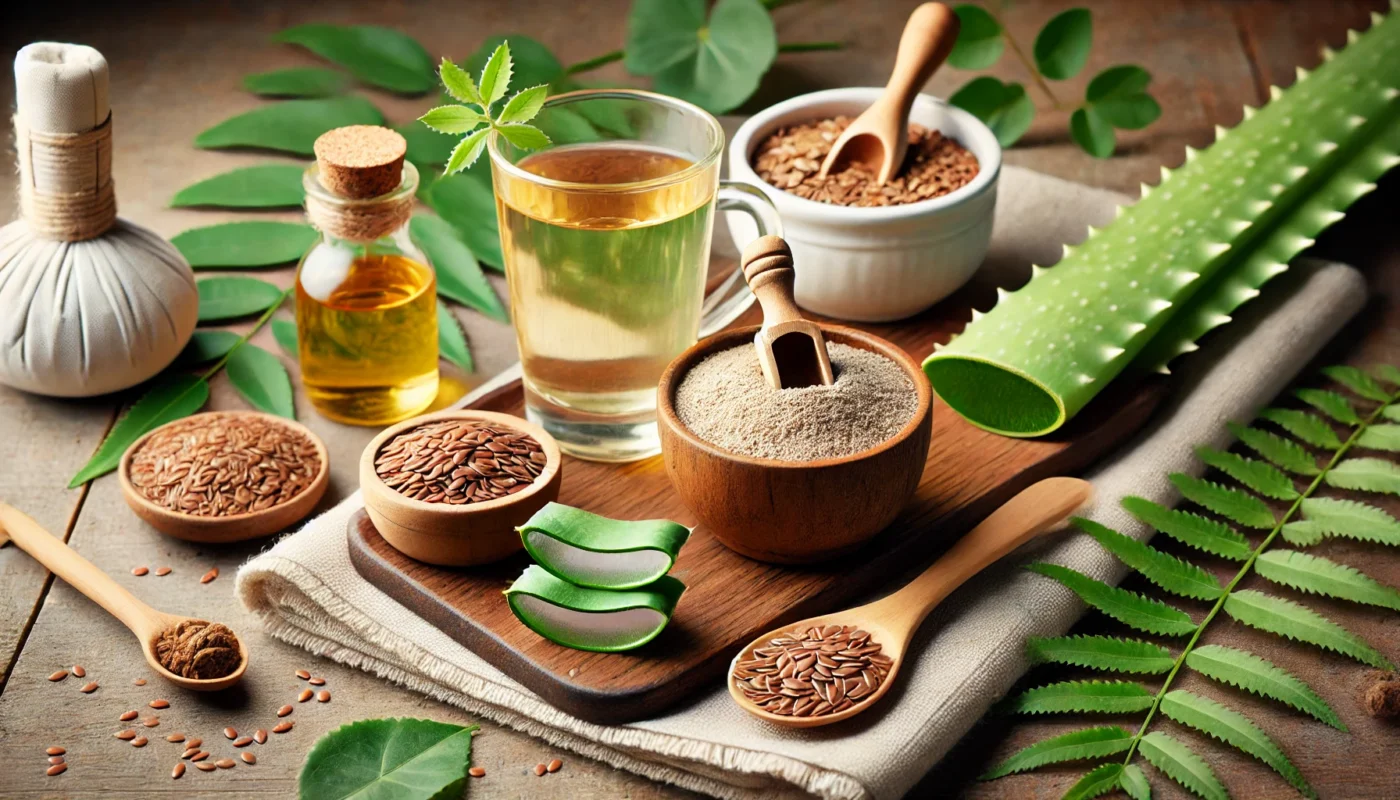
[(366, 296)]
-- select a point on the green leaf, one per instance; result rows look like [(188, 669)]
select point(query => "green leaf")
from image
[(715, 64), (524, 105), (459, 276), (1169, 572), (227, 297), (1303, 533), (1092, 132), (566, 126), (1380, 437), (467, 151), (1233, 728), (1062, 46), (1308, 573), (285, 332), (426, 147), (1259, 676), (532, 63), (1181, 764), (291, 125), (1075, 746), (1358, 381), (262, 380), (452, 343), (1391, 412), (252, 243), (263, 186), (1131, 609), (453, 119), (387, 759), (1134, 783), (206, 346), (466, 201), (1101, 652), (1230, 503), (296, 82), (1119, 96), (378, 56), (1300, 623), (495, 76), (1107, 697), (1303, 425), (1099, 781), (1004, 107), (459, 84), (1190, 529), (1285, 453), (1388, 373), (1257, 475), (980, 42), (170, 397), (1365, 474), (526, 137), (1331, 404), (1351, 519)]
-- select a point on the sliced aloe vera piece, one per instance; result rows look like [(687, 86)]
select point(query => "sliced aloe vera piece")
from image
[(599, 620), (602, 553)]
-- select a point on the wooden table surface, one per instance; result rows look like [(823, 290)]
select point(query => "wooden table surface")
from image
[(176, 70)]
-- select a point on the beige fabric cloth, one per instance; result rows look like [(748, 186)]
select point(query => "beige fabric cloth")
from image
[(969, 652)]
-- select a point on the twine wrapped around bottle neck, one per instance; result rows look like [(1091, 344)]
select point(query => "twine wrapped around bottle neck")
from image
[(359, 220), (65, 189)]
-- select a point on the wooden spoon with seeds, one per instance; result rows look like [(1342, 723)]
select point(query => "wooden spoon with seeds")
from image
[(889, 622), (144, 621)]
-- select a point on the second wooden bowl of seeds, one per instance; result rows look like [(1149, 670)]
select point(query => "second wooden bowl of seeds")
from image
[(450, 488), (225, 476)]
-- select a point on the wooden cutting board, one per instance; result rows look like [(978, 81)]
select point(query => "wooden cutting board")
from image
[(731, 599)]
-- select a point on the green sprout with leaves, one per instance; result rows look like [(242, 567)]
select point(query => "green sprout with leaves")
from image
[(477, 123), (1115, 98)]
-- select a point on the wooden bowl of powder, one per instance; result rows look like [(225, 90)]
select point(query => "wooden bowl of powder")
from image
[(795, 476)]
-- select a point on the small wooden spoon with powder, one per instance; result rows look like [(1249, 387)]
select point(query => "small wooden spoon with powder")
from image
[(147, 623)]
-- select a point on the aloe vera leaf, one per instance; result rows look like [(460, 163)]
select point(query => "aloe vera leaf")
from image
[(597, 620), (600, 553), (1212, 228)]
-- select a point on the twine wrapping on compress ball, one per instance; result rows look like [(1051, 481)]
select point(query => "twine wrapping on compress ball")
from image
[(93, 303)]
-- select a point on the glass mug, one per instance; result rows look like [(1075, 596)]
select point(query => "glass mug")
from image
[(606, 239)]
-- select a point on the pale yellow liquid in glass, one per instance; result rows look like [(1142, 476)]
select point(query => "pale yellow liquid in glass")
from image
[(606, 284), (367, 335)]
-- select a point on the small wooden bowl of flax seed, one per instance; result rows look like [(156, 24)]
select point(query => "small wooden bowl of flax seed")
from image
[(450, 488), (225, 476)]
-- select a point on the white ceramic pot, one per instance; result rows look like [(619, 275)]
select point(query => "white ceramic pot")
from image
[(876, 264)]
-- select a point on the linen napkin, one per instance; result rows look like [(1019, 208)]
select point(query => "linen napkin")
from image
[(969, 652)]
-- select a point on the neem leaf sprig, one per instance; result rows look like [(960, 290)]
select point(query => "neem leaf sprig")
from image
[(477, 123)]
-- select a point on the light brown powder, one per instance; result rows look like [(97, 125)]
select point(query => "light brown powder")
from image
[(198, 649), (725, 400)]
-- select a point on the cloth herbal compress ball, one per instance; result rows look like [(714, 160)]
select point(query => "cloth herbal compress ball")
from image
[(89, 303)]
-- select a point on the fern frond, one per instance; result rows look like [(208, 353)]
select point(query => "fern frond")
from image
[(1101, 652), (1134, 783), (1357, 381), (1190, 529), (1351, 519), (1104, 697), (1100, 781), (1233, 728), (1233, 504), (1257, 675), (1285, 453), (1302, 533), (1365, 474), (1169, 572), (1300, 623), (1076, 746), (1129, 608), (1308, 427), (1331, 404), (1380, 437), (1388, 373), (1263, 478), (1181, 764), (1316, 575)]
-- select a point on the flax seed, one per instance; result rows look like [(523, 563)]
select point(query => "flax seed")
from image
[(139, 741), (260, 736), (89, 688), (243, 741), (477, 772), (303, 674), (139, 571), (323, 696), (56, 769), (230, 733), (190, 752), (151, 722), (126, 735), (555, 765), (200, 756), (161, 572), (205, 766), (225, 763), (78, 671), (305, 695), (248, 758), (58, 676), (459, 462), (178, 770), (128, 716), (284, 711), (56, 759), (55, 751), (540, 770), (194, 742), (139, 682), (317, 681), (210, 575), (175, 737), (811, 673), (282, 727), (159, 703)]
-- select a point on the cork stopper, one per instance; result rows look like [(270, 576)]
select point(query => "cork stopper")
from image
[(360, 161)]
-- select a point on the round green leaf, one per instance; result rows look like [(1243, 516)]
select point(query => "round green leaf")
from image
[(1118, 93), (1005, 107), (253, 243), (262, 380), (291, 125), (459, 276), (263, 186), (1062, 46), (297, 82), (980, 42), (378, 56), (1091, 132), (388, 759), (717, 65), (231, 296)]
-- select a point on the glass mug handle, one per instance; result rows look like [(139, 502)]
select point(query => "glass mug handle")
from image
[(732, 298)]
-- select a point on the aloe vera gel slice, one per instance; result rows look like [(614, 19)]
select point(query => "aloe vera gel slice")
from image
[(599, 620), (601, 553)]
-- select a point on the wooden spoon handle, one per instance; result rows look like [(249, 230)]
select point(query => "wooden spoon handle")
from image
[(767, 265), (81, 574), (928, 38)]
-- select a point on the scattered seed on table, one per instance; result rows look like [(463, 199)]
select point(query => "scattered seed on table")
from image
[(477, 772), (230, 733), (243, 741), (78, 671), (225, 763), (55, 759), (194, 742), (161, 572), (283, 726), (178, 770), (139, 571), (323, 696), (151, 722), (58, 676), (175, 737), (284, 711), (555, 765), (248, 758), (55, 751), (260, 736), (205, 767), (540, 770), (89, 688), (128, 716), (200, 756), (190, 753), (139, 741), (303, 674), (159, 704), (317, 681), (305, 695), (56, 769), (210, 575), (139, 682), (126, 735)]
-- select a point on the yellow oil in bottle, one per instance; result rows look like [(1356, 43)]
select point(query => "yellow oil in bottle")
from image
[(367, 334)]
